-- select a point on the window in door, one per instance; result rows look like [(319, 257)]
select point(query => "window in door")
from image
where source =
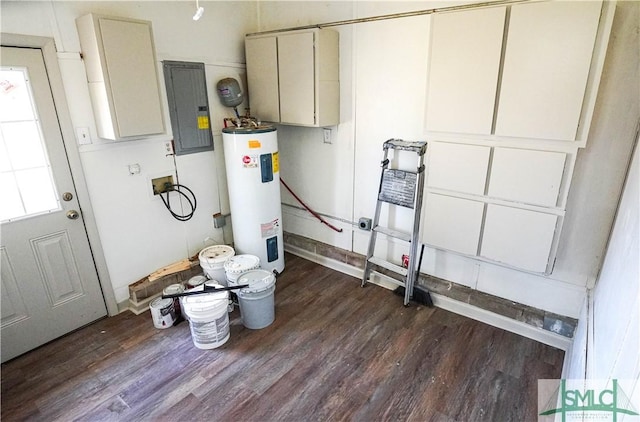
[(26, 180)]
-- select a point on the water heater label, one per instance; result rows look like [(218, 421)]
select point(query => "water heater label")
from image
[(276, 162), (270, 229), (253, 143), (250, 161)]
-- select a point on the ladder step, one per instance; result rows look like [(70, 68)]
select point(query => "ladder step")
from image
[(388, 278), (388, 265), (419, 147), (393, 233)]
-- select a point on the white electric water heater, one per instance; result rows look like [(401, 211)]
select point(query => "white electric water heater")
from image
[(253, 179)]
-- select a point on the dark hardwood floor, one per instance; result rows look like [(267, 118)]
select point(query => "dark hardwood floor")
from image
[(335, 352)]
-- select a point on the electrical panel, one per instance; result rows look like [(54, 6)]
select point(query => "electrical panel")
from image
[(188, 106)]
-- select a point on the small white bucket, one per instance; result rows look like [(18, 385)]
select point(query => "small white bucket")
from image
[(239, 264), (257, 305), (163, 312), (208, 317), (212, 261), (173, 289)]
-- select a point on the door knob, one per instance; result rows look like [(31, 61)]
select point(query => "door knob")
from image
[(72, 214)]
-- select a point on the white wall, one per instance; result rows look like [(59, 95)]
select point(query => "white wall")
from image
[(137, 233), (608, 339), (383, 76)]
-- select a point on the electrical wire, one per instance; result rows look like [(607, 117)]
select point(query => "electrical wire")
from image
[(192, 204), (315, 214)]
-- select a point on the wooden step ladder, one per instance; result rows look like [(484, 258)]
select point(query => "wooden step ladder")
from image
[(405, 189)]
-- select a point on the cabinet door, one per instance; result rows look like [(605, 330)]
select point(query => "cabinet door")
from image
[(546, 65), (517, 237), (452, 223), (131, 67), (532, 177), (296, 67), (457, 167), (262, 78), (463, 72)]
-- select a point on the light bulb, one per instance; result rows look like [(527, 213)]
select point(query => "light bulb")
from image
[(199, 13)]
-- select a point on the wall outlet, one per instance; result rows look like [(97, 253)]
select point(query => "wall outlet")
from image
[(168, 147), (327, 135), (364, 223)]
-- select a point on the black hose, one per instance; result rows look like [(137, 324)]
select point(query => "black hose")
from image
[(167, 202)]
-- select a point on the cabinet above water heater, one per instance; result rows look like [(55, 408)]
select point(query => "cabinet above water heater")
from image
[(293, 77)]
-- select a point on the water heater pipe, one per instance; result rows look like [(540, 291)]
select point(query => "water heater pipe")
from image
[(315, 214)]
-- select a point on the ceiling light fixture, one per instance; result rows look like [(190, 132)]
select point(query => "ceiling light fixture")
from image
[(199, 11)]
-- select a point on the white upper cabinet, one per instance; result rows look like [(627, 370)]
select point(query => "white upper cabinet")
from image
[(293, 77), (546, 65), (463, 70), (297, 97), (122, 74), (262, 55)]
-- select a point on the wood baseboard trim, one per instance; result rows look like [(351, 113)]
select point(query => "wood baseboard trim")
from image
[(461, 308)]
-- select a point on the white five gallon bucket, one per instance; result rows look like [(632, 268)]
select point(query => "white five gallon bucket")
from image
[(239, 264), (208, 317), (256, 301), (212, 261)]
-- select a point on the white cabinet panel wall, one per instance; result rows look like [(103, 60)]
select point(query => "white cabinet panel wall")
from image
[(531, 177), (518, 228), (546, 65), (510, 93), (517, 237), (463, 70), (453, 223), (457, 167), (524, 69)]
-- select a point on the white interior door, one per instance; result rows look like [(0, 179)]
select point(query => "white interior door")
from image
[(49, 281)]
